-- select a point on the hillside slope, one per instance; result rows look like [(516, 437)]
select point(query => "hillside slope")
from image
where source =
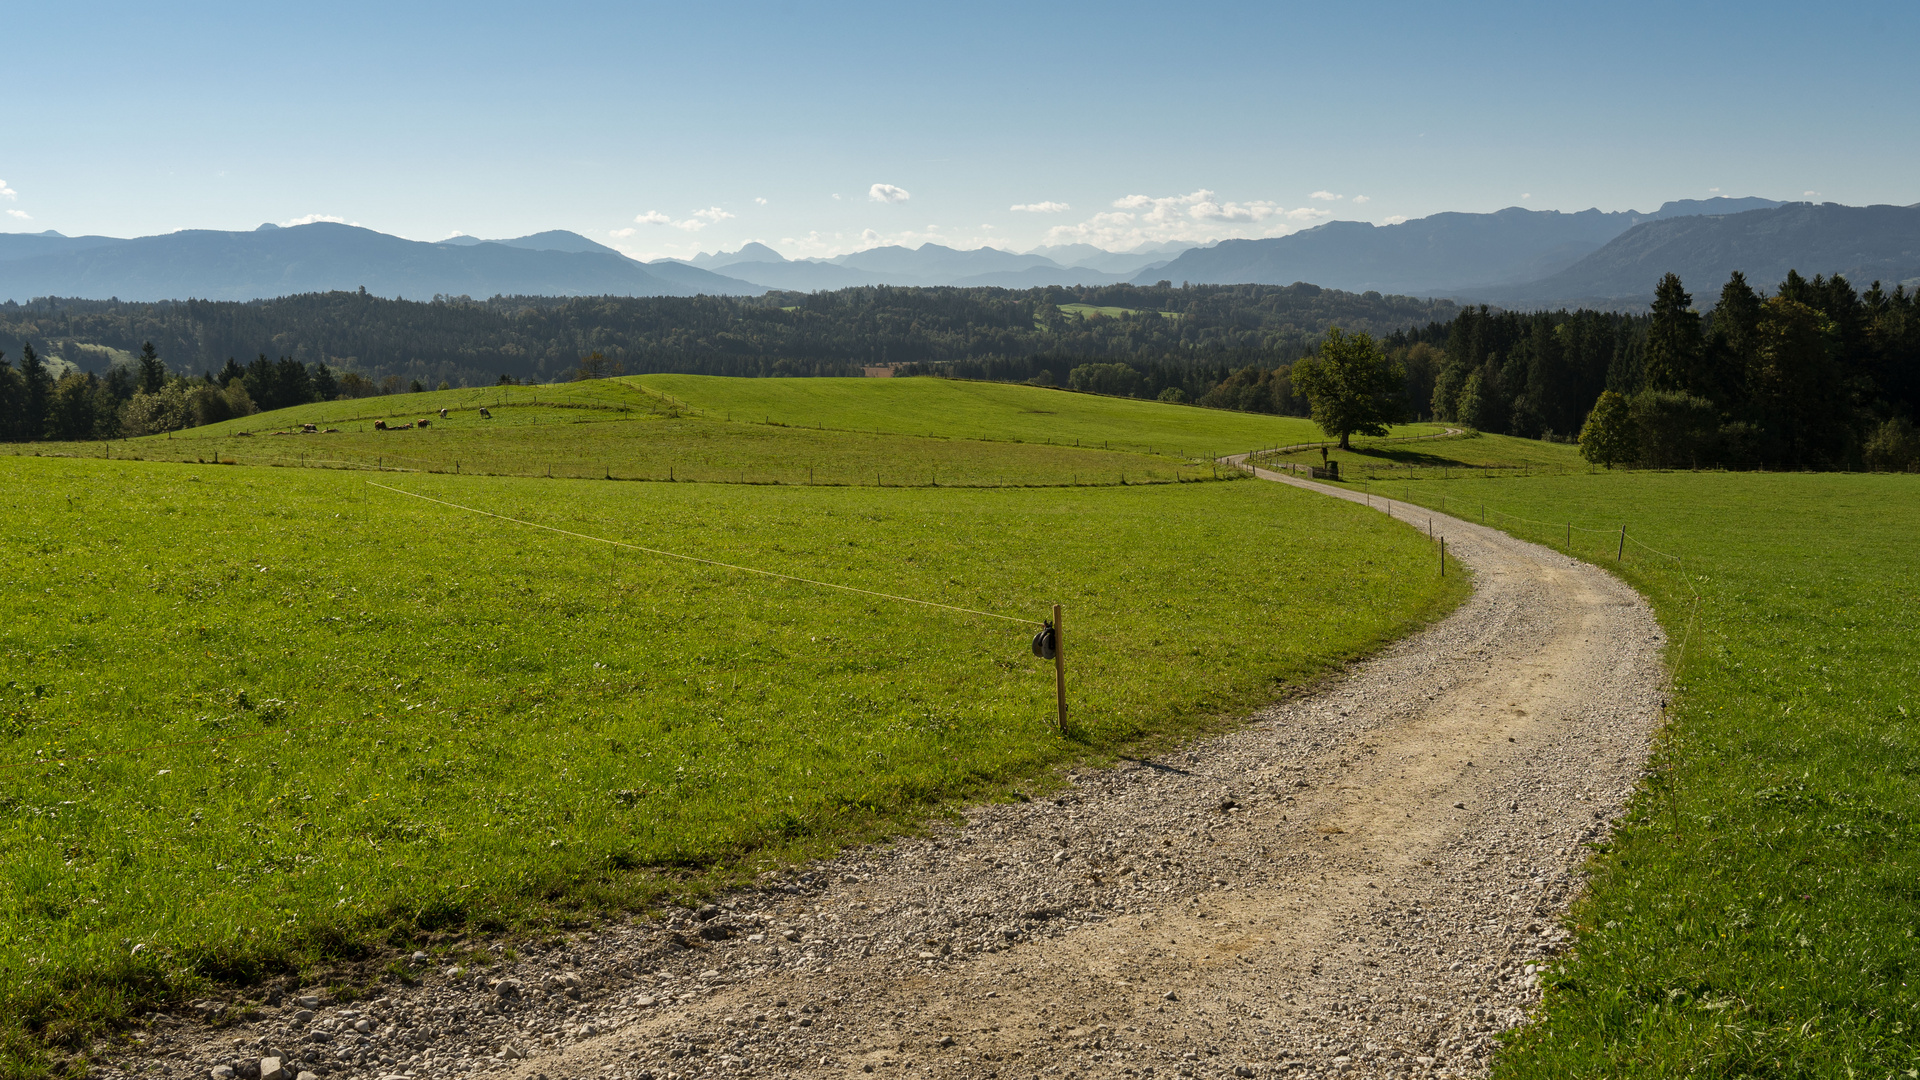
[(1865, 243)]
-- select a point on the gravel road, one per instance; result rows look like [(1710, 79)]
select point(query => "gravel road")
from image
[(1360, 882)]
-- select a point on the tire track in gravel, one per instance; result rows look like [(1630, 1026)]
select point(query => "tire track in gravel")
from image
[(1360, 882)]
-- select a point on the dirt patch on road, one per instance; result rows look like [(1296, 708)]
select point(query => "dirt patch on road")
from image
[(1363, 881)]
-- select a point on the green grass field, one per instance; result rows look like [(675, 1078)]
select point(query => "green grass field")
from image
[(865, 432), (604, 444), (259, 721), (983, 410), (1084, 310), (1755, 916), (1381, 459)]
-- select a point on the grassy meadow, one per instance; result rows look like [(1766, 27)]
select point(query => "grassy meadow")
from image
[(1374, 459), (261, 721), (1755, 914), (949, 408)]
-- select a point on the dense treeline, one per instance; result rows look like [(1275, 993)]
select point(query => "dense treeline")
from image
[(142, 398), (466, 342), (1818, 374)]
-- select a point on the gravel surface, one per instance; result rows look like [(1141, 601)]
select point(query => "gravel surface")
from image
[(1361, 882)]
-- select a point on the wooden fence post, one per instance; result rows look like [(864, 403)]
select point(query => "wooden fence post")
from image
[(1059, 669)]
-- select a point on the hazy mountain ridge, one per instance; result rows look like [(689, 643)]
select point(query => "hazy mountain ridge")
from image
[(930, 265), (272, 261), (1514, 257), (1437, 254), (1863, 243)]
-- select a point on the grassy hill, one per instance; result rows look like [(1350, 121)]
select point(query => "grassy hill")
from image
[(866, 432), (278, 721), (984, 410)]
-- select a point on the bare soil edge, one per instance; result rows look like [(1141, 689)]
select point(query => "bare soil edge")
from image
[(1361, 881)]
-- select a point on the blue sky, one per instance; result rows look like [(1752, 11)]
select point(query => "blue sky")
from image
[(821, 129)]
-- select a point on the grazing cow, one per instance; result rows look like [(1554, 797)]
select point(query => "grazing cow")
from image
[(443, 414), (379, 425), (309, 429), (421, 423), (485, 415), (331, 431)]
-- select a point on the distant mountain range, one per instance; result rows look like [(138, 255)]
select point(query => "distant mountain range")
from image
[(1863, 243), (1437, 255), (1515, 258), (935, 264), (321, 257)]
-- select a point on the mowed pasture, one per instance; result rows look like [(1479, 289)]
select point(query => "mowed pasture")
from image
[(1754, 915), (610, 444), (999, 411), (1386, 459), (866, 432), (266, 721)]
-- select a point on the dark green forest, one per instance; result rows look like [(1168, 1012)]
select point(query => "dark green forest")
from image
[(1809, 376), (462, 341)]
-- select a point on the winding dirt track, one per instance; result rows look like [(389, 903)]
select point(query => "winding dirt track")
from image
[(1359, 882)]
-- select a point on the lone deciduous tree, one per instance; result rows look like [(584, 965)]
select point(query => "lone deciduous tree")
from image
[(1607, 438), (1351, 387)]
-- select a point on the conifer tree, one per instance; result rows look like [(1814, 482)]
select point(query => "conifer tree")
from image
[(37, 394), (1675, 347), (153, 373)]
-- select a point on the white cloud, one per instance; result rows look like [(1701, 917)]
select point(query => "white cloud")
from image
[(1041, 207), (1358, 199), (887, 193), (760, 200), (1395, 219), (622, 234), (1809, 194), (1326, 196), (1526, 195), (21, 214), (455, 233), (1197, 217), (699, 219), (7, 192), (1713, 189), (311, 219)]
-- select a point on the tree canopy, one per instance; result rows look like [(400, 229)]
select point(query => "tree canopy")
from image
[(1351, 386)]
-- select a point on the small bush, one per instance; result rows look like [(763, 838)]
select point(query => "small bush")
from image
[(1893, 447)]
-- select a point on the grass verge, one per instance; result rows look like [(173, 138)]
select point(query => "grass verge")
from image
[(1754, 913)]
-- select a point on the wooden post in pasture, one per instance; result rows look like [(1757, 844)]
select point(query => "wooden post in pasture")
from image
[(1059, 669), (1569, 537), (1443, 556), (1620, 554)]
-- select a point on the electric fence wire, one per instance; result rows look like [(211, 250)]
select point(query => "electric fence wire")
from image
[(711, 562)]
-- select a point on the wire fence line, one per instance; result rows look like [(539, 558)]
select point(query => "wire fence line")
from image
[(708, 562)]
